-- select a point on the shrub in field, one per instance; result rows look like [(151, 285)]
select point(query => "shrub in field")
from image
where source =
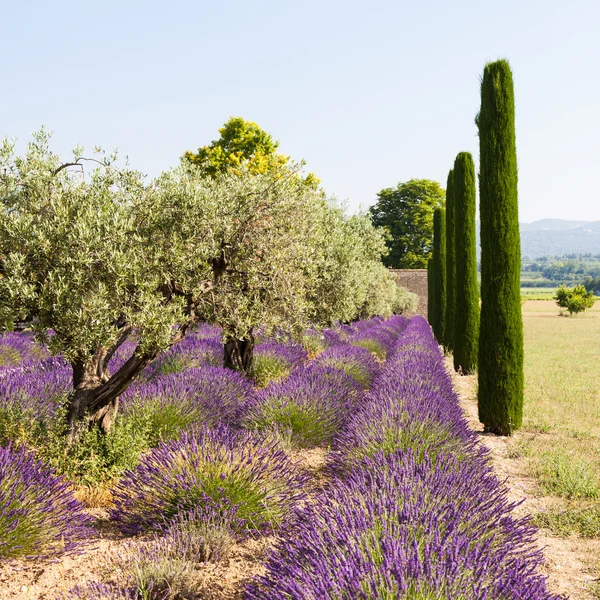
[(165, 567), (202, 534), (308, 408), (196, 396), (313, 341), (42, 387), (39, 516), (408, 421), (30, 399), (575, 299), (378, 340), (355, 361), (450, 246), (405, 528), (439, 270), (500, 360), (465, 322), (209, 467), (273, 360), (411, 406), (90, 458)]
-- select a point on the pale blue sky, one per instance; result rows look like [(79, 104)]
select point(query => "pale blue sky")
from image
[(369, 93)]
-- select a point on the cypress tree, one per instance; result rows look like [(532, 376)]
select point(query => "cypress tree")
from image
[(450, 264), (430, 292), (466, 315), (500, 393), (439, 266)]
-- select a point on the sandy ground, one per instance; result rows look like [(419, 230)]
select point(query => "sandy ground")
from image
[(47, 580), (570, 562)]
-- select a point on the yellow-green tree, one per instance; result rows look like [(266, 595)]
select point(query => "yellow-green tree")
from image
[(243, 147)]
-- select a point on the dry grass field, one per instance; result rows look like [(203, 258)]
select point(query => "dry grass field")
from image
[(562, 401), (554, 460), (561, 441)]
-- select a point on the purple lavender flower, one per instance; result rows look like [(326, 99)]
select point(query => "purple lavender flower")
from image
[(355, 361), (203, 534), (39, 387), (275, 360), (308, 408), (19, 349), (209, 466), (39, 516), (196, 396), (193, 351), (96, 590), (401, 527)]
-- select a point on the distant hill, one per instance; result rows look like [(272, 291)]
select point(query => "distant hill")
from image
[(551, 237)]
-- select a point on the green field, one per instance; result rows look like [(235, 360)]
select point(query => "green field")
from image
[(561, 422), (537, 293)]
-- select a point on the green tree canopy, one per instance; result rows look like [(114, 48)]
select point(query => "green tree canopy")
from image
[(101, 257), (243, 147), (575, 299), (406, 212)]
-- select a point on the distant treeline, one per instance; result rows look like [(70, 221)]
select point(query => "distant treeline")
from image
[(550, 271)]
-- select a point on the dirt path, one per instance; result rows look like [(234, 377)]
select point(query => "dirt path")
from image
[(569, 561)]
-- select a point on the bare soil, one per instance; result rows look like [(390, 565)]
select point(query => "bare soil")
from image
[(47, 580), (571, 563)]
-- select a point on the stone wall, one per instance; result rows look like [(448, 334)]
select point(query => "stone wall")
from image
[(414, 280)]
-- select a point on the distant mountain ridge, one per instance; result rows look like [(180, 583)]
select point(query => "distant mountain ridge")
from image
[(550, 237), (554, 237)]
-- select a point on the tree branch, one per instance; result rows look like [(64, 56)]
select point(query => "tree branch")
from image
[(76, 164)]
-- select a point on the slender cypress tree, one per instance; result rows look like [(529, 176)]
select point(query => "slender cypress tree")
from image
[(466, 316), (500, 393), (439, 266), (430, 291), (450, 264)]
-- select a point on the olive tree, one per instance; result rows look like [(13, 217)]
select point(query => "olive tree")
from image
[(96, 258), (348, 252), (253, 236)]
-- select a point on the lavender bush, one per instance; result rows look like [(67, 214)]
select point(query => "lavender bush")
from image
[(196, 396), (414, 510), (406, 528), (19, 349), (39, 516), (193, 351), (209, 467), (308, 408), (357, 362), (96, 590), (275, 360)]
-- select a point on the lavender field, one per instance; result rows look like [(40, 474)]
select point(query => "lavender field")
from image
[(202, 459)]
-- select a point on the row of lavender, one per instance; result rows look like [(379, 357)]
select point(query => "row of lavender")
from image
[(217, 440), (414, 510)]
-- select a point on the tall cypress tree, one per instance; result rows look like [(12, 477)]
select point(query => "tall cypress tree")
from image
[(439, 266), (500, 393), (466, 316), (450, 264), (430, 291)]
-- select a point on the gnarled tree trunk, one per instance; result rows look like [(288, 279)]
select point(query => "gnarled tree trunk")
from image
[(239, 354), (95, 395)]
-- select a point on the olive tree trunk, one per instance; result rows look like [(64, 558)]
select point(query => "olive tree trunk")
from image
[(95, 395), (239, 354)]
